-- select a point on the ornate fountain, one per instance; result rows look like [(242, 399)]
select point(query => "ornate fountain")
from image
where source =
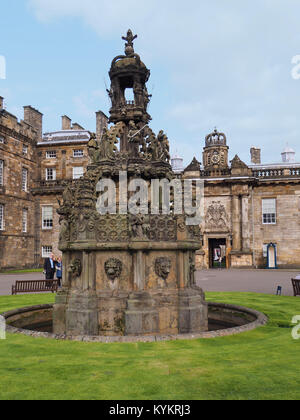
[(124, 273)]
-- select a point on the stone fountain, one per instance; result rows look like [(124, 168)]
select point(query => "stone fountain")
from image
[(124, 273)]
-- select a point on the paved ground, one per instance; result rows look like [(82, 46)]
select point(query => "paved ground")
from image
[(259, 281), (7, 280)]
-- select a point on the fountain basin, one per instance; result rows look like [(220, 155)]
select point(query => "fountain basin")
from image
[(223, 320)]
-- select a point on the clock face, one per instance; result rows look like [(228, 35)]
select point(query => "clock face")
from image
[(215, 158)]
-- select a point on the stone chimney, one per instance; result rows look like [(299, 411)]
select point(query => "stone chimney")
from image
[(255, 155), (76, 126), (65, 123), (101, 123), (1, 103), (34, 118)]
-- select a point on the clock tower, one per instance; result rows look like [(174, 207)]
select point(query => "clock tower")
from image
[(215, 154)]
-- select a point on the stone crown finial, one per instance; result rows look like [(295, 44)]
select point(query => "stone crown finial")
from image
[(215, 138), (129, 44)]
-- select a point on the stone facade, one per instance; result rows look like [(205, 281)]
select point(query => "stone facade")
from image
[(18, 159), (234, 211), (22, 146)]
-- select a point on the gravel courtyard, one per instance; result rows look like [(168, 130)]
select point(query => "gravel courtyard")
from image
[(258, 281)]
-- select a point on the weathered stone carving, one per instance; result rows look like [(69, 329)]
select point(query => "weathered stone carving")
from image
[(113, 268), (64, 234), (216, 216), (139, 226), (192, 270), (107, 149), (75, 268), (129, 44), (163, 267), (147, 298), (194, 232), (162, 228), (112, 228)]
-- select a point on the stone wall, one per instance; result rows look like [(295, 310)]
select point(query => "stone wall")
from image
[(240, 205), (17, 248), (64, 161), (286, 232)]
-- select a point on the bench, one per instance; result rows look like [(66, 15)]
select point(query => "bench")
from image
[(296, 286), (34, 286)]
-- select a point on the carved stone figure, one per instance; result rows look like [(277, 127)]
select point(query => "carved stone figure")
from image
[(139, 226), (68, 197), (113, 268), (64, 234), (192, 270), (75, 268), (164, 147), (129, 44), (163, 267)]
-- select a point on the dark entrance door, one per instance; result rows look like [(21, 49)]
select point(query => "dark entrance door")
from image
[(217, 253)]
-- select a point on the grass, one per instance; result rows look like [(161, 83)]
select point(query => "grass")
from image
[(260, 364), (32, 270)]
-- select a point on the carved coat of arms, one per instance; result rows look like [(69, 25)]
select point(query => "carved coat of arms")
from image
[(216, 216)]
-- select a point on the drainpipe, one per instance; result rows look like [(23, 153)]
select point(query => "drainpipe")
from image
[(253, 228)]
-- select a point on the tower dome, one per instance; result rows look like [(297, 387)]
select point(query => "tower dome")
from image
[(288, 155), (215, 154), (215, 138)]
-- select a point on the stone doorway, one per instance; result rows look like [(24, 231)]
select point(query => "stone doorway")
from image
[(217, 253)]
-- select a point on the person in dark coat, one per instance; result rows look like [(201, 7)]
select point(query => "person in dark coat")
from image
[(49, 269)]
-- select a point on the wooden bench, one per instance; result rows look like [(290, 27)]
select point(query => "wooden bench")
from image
[(34, 286), (296, 286)]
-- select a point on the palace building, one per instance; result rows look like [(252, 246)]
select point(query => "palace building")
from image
[(34, 169), (248, 208)]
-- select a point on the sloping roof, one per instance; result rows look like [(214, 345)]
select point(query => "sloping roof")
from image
[(193, 166)]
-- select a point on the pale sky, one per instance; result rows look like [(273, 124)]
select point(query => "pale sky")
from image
[(213, 63)]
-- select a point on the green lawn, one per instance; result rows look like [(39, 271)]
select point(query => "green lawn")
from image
[(24, 271), (261, 364)]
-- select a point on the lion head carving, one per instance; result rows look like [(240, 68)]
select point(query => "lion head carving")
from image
[(75, 268), (163, 267), (113, 268)]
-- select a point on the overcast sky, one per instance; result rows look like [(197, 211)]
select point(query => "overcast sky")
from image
[(213, 63)]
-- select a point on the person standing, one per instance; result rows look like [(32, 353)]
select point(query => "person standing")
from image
[(49, 269), (59, 270)]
